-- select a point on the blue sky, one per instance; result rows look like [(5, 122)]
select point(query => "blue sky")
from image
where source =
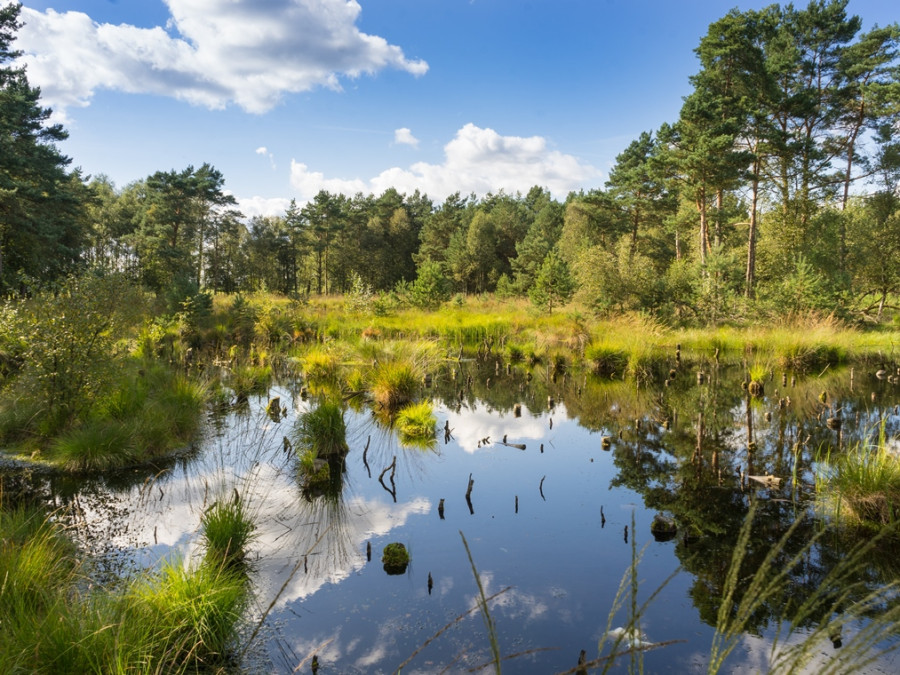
[(286, 97)]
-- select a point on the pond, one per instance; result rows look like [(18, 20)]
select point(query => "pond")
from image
[(567, 472)]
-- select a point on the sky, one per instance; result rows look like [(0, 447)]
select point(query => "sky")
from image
[(288, 97)]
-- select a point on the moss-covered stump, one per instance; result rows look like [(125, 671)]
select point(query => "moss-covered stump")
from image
[(395, 558)]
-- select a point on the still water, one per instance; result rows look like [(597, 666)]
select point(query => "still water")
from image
[(552, 527)]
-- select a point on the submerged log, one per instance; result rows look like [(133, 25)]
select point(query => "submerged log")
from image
[(767, 480), (519, 446)]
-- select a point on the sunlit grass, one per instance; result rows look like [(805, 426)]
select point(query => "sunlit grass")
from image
[(416, 423), (322, 430), (395, 383), (227, 529)]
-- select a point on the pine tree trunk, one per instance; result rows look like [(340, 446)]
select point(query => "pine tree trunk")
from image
[(750, 279), (704, 226)]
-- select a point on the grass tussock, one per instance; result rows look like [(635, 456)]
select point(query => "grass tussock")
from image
[(227, 529), (862, 484), (149, 415), (322, 431), (179, 620), (395, 383), (416, 423)]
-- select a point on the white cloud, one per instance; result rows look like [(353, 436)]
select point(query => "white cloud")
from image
[(470, 427), (308, 183), (476, 160), (264, 151), (212, 53), (263, 206), (404, 137)]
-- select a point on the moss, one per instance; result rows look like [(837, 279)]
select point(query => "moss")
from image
[(395, 558)]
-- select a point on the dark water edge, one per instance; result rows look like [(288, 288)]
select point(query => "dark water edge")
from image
[(556, 523)]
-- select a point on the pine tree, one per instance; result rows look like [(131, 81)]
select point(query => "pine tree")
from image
[(42, 224)]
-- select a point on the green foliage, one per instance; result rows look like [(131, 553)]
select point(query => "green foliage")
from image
[(553, 284), (144, 416), (180, 620), (395, 558), (360, 296), (97, 446), (394, 383), (620, 280), (431, 288), (194, 612), (246, 379), (607, 360), (43, 206), (72, 348)]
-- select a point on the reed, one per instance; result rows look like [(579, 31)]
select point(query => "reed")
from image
[(194, 613)]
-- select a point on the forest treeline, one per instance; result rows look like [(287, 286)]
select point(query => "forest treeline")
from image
[(774, 191)]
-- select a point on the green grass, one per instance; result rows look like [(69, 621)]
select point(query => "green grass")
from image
[(100, 445), (194, 612), (416, 423), (862, 484), (320, 363), (606, 360), (322, 430), (395, 383), (148, 416), (227, 529), (247, 379), (179, 620)]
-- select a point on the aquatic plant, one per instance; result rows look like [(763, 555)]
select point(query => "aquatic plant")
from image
[(322, 430), (97, 446), (862, 484), (839, 599), (416, 422), (247, 378), (227, 529), (606, 360), (320, 363), (395, 558), (194, 613), (146, 416), (395, 383)]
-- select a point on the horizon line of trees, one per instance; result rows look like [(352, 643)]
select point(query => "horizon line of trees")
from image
[(775, 190)]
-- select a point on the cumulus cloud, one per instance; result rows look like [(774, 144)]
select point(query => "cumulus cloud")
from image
[(476, 160), (404, 137), (263, 206), (211, 53)]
